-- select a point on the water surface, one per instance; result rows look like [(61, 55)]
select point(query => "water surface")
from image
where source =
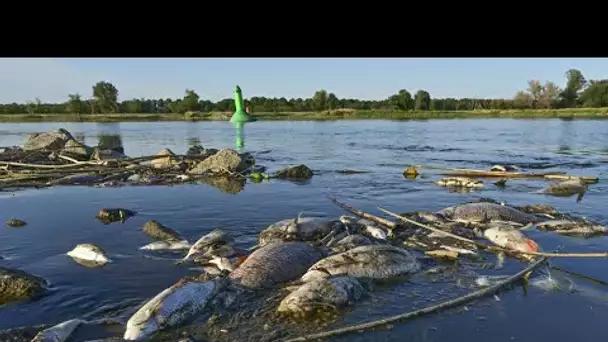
[(61, 217)]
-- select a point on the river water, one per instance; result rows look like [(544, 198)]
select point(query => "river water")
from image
[(61, 217)]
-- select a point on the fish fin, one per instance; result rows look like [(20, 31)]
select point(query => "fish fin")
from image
[(580, 196)]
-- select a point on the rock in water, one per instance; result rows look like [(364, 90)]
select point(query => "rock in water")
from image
[(50, 140), (373, 262), (109, 215), (566, 188), (16, 223), (73, 147), (165, 161), (89, 252), (58, 333), (276, 263), (224, 161), (322, 295), (172, 307), (17, 285), (481, 211), (159, 232), (298, 172)]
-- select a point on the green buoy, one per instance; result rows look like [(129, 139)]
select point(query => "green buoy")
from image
[(240, 117)]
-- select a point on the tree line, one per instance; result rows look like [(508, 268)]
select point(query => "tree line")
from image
[(577, 92)]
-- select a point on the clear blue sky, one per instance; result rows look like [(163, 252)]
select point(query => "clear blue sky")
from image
[(51, 80)]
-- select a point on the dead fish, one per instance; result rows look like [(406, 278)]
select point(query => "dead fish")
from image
[(213, 240), (276, 263), (567, 188), (352, 241), (464, 182), (485, 211), (373, 262), (299, 228), (58, 333), (166, 246), (217, 265), (538, 209), (511, 238), (172, 307), (89, 252), (362, 225), (505, 168), (157, 231), (322, 294), (573, 228)]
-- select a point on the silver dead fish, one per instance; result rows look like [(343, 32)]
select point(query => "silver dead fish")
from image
[(58, 333), (323, 294), (485, 211), (172, 307), (373, 262)]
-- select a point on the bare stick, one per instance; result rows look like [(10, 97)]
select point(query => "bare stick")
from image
[(428, 310), (389, 224)]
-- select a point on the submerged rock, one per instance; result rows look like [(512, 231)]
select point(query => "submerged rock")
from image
[(109, 215), (17, 285), (50, 140), (224, 161), (229, 185), (16, 223), (157, 231), (297, 172)]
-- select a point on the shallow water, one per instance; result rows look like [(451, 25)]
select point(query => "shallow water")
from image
[(61, 217)]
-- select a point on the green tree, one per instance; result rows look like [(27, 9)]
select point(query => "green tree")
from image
[(190, 101), (402, 100), (332, 101), (74, 104), (422, 100), (319, 100), (574, 84), (106, 97), (535, 89), (549, 96), (596, 94)]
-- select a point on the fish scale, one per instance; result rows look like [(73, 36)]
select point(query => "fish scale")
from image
[(276, 263), (484, 210)]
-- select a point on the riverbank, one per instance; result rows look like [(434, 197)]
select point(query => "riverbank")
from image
[(569, 113)]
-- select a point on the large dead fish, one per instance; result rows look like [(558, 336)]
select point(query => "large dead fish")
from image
[(510, 238), (58, 333), (172, 307), (167, 246), (299, 229), (209, 243), (373, 262), (322, 295), (485, 211), (367, 227), (573, 228), (89, 252), (276, 263), (567, 188)]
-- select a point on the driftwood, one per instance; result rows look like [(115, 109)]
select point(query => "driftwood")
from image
[(523, 274), (499, 174)]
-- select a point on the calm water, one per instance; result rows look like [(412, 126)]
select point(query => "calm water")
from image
[(59, 218)]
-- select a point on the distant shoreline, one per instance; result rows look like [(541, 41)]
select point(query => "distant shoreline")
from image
[(566, 113)]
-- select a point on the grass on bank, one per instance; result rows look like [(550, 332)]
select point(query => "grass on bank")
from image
[(340, 114)]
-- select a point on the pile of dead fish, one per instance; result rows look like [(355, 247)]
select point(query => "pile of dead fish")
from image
[(322, 265), (57, 158)]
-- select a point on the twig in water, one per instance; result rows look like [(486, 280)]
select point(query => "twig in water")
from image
[(578, 275), (387, 223), (428, 310)]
